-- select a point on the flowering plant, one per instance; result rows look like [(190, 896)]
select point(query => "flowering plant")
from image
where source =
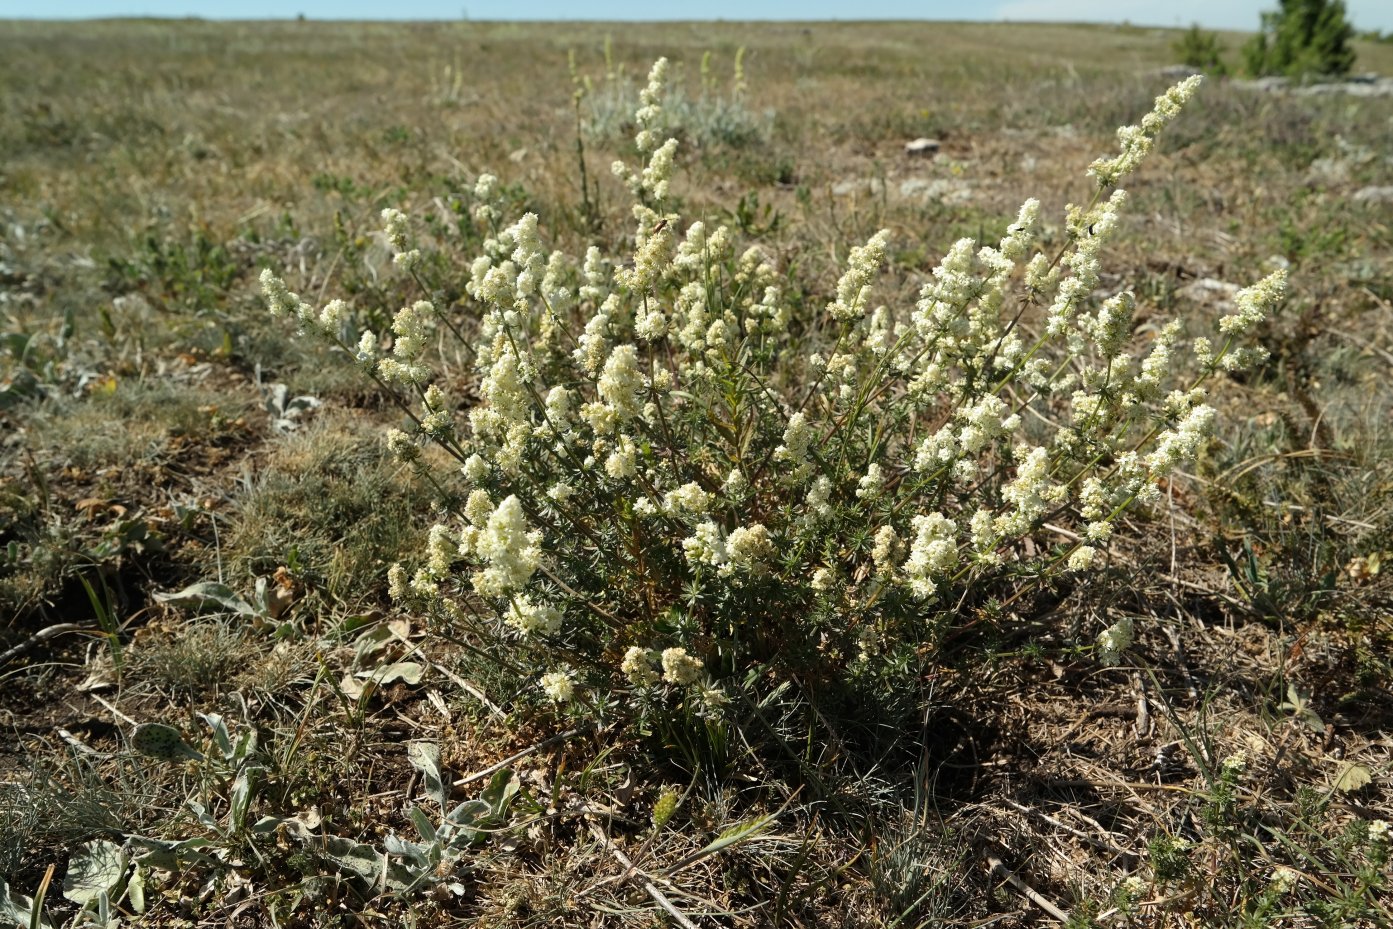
[(676, 478)]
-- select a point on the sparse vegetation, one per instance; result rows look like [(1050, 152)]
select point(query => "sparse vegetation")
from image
[(215, 709)]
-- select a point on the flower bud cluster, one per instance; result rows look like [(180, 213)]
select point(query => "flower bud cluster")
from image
[(862, 267), (1135, 142)]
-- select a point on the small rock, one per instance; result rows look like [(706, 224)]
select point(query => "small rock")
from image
[(1263, 83), (1328, 171), (851, 186), (1209, 290), (921, 148), (1178, 72), (1373, 195), (945, 190), (1377, 88)]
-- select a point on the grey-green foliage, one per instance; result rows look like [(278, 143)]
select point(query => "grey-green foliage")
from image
[(99, 876), (442, 846), (720, 120), (1302, 37), (17, 909), (716, 116), (238, 758), (163, 743), (235, 760), (403, 866)]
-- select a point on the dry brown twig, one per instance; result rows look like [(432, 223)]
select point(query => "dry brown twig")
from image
[(47, 633), (1144, 725), (1101, 844), (998, 867)]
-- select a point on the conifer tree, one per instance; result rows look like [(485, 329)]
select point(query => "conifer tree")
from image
[(1302, 37)]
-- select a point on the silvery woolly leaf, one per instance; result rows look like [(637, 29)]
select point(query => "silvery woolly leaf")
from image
[(425, 757), (163, 743), (220, 735), (239, 802), (424, 827), (401, 878), (355, 690), (201, 813), (211, 596), (135, 889), (355, 858), (502, 788), (18, 909), (97, 868), (408, 672), (371, 641), (412, 850), (464, 824), (170, 856)]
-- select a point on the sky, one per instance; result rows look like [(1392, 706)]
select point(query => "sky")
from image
[(1212, 14)]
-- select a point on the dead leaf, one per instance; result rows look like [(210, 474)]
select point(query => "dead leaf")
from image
[(90, 506), (278, 600)]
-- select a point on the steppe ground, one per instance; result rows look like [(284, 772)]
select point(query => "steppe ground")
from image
[(151, 169)]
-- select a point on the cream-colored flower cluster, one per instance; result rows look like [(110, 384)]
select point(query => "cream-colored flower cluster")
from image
[(694, 477), (1136, 141)]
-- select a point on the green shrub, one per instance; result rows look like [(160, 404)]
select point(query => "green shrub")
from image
[(1303, 37), (678, 486), (1200, 49)]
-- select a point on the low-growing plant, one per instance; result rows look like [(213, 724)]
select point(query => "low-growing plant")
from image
[(670, 490), (714, 116), (330, 504), (1305, 858)]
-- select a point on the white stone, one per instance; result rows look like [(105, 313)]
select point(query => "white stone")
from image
[(1373, 195), (921, 148)]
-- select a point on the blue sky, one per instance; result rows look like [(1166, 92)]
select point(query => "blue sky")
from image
[(1213, 14)]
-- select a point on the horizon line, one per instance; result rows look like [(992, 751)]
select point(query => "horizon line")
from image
[(196, 17)]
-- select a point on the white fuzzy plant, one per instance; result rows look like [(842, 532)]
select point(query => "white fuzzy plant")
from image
[(673, 478)]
